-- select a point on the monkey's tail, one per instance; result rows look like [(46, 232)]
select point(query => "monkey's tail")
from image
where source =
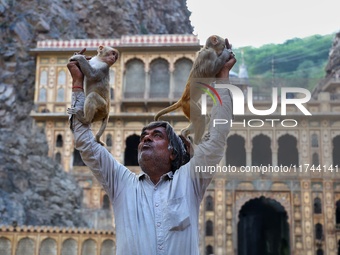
[(167, 110), (101, 130)]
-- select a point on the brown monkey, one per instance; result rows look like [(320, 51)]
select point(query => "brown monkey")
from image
[(210, 60), (97, 87)]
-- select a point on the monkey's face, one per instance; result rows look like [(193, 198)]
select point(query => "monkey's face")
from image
[(217, 43), (111, 57), (108, 55)]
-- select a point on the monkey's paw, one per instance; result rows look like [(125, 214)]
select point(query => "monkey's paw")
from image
[(76, 57), (76, 111), (101, 142), (71, 110)]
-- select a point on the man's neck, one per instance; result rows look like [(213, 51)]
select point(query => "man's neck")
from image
[(155, 174)]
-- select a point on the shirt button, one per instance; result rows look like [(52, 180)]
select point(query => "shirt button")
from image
[(156, 204), (158, 224), (160, 247)]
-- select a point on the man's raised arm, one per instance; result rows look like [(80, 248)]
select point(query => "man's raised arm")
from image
[(108, 171), (209, 153)]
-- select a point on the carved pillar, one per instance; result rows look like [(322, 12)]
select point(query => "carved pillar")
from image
[(68, 149), (248, 156), (274, 156), (329, 235), (308, 226), (118, 142), (201, 225), (219, 217), (230, 218), (326, 146), (297, 246)]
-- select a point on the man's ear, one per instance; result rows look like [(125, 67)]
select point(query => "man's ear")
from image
[(172, 154), (187, 143)]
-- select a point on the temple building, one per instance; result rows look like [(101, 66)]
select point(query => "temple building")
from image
[(276, 191)]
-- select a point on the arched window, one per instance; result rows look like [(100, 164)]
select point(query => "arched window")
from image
[(159, 79), (108, 248), (287, 152), (48, 246), (112, 83), (209, 228), (336, 151), (109, 140), (236, 153), (69, 247), (131, 150), (112, 93), (5, 246), (106, 202), (317, 205), (315, 159), (61, 95), (112, 77), (337, 212), (181, 75), (134, 79), (261, 151), (209, 203), (61, 77), (315, 141), (42, 95), (59, 142), (319, 251), (43, 78), (25, 246), (209, 250), (89, 247), (318, 231)]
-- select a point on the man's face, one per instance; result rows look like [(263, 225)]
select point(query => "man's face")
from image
[(154, 146)]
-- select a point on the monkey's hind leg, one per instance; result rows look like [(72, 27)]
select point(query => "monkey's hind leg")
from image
[(101, 131)]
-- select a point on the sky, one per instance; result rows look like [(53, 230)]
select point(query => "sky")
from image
[(259, 22)]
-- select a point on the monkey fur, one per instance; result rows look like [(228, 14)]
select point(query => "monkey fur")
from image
[(210, 60), (97, 87)]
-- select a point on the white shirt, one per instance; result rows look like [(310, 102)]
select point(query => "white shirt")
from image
[(155, 219)]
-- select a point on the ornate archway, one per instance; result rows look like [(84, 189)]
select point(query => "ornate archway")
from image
[(263, 228)]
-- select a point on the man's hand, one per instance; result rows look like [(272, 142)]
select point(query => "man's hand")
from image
[(82, 53), (77, 76), (224, 73)]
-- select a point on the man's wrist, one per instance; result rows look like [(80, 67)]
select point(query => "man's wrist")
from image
[(77, 88), (222, 81)]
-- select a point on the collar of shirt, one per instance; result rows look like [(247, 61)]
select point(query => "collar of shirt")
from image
[(167, 176)]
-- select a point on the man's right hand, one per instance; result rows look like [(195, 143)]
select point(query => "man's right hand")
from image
[(77, 76)]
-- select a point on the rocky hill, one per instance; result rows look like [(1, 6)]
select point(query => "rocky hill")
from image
[(34, 190), (333, 67)]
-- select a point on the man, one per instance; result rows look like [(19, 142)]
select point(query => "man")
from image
[(156, 212)]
